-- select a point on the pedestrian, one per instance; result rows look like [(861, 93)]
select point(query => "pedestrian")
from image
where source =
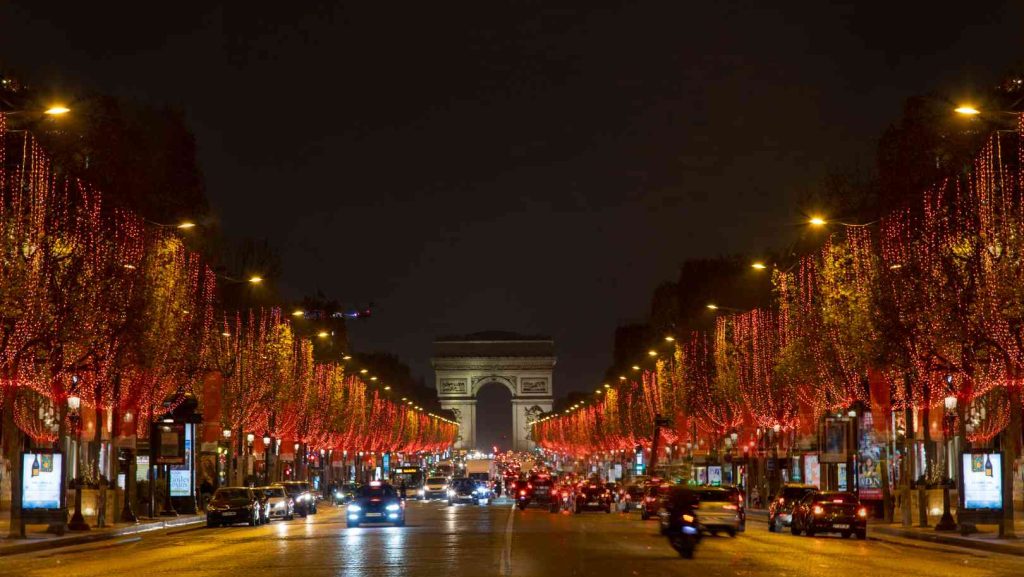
[(401, 488), (205, 491)]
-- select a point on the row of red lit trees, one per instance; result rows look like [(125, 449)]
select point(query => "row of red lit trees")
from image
[(925, 304), (97, 304)]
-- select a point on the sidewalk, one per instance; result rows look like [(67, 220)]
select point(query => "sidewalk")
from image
[(38, 540), (984, 540)]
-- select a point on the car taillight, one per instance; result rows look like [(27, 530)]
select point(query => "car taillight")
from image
[(781, 501), (565, 494), (862, 512), (818, 510), (523, 492), (650, 499)]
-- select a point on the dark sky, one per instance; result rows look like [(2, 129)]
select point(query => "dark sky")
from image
[(515, 166)]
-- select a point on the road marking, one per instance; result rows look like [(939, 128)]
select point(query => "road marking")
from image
[(506, 554)]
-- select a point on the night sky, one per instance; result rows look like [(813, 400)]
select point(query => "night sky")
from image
[(499, 166)]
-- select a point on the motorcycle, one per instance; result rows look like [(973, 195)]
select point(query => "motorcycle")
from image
[(683, 533), (523, 499), (562, 501)]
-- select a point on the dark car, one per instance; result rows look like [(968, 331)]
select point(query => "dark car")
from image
[(652, 500), (543, 489), (303, 498), (780, 510), (632, 497), (593, 496), (377, 502), (462, 490), (830, 512), (231, 505)]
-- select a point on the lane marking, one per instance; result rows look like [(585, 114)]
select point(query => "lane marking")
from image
[(506, 554)]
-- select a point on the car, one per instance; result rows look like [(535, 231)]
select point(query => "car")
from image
[(632, 497), (542, 489), (780, 510), (461, 490), (278, 504), (344, 493), (720, 510), (231, 505), (652, 500), (376, 502), (830, 512), (593, 496), (303, 498), (435, 488)]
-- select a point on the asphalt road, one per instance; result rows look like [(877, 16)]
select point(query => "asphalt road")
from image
[(490, 541)]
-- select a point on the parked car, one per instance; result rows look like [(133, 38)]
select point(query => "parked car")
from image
[(278, 504), (830, 512), (303, 498), (231, 505), (780, 510)]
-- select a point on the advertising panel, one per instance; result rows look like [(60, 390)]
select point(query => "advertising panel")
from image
[(812, 470), (869, 473), (41, 480), (834, 440), (181, 475), (983, 480), (170, 448), (714, 475)]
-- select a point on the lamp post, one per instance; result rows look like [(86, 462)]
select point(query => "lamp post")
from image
[(947, 523), (267, 440), (77, 522), (249, 439), (228, 473), (127, 511)]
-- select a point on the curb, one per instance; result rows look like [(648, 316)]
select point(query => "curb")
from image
[(1002, 548), (85, 538)]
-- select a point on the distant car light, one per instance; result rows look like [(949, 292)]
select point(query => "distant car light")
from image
[(818, 510), (862, 512), (393, 507), (688, 518), (354, 508)]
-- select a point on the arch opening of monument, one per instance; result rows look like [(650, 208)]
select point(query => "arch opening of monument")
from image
[(493, 417), (523, 365)]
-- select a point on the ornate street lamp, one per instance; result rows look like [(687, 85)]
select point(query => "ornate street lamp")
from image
[(947, 523), (77, 522)]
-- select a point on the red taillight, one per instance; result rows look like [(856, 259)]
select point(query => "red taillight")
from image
[(862, 512), (650, 499), (565, 494), (523, 492), (818, 510)]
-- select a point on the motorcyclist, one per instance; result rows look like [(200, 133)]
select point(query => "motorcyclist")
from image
[(679, 522)]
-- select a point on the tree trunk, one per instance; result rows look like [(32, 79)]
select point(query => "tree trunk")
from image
[(13, 442), (1011, 436), (907, 464)]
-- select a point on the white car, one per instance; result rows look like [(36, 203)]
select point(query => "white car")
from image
[(435, 488), (279, 504)]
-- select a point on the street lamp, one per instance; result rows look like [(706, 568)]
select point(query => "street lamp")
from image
[(966, 110), (57, 110), (77, 522), (267, 441), (947, 523), (817, 221)]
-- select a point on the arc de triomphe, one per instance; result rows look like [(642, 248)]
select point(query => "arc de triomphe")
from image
[(465, 364)]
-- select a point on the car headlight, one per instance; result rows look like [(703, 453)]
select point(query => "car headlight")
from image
[(280, 505), (393, 507), (354, 508), (337, 494)]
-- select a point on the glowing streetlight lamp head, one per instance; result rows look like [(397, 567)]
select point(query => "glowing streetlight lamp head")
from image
[(636, 367), (607, 386), (652, 353), (363, 371), (57, 110), (255, 279), (758, 266), (387, 387), (299, 313), (966, 110), (186, 225), (670, 339), (712, 306), (817, 221), (323, 334)]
